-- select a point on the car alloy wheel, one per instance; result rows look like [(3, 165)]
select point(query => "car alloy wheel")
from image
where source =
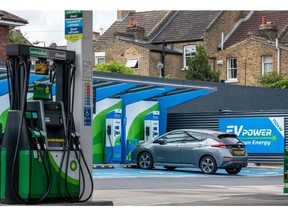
[(145, 161), (208, 165)]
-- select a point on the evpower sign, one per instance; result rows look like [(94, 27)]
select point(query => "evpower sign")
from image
[(260, 135)]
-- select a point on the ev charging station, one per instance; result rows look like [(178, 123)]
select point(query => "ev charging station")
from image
[(113, 137), (144, 104), (44, 153)]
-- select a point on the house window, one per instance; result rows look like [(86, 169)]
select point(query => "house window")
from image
[(99, 57), (100, 60), (267, 64), (132, 63), (232, 69), (189, 52)]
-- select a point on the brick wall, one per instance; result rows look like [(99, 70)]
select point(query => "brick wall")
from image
[(249, 60), (120, 51), (4, 40), (155, 58), (181, 45), (224, 23), (173, 65)]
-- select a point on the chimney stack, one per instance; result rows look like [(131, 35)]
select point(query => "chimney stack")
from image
[(267, 29), (131, 21), (96, 36)]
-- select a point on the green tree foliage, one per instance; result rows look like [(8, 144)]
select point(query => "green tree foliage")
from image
[(16, 37), (113, 67), (199, 67), (282, 84), (273, 80), (269, 78)]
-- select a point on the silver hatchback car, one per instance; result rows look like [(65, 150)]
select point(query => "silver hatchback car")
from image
[(204, 149)]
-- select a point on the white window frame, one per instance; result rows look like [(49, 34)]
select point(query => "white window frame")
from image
[(231, 68), (267, 62), (99, 58), (190, 55), (99, 55), (132, 63)]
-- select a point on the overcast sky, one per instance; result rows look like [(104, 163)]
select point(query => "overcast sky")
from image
[(48, 25)]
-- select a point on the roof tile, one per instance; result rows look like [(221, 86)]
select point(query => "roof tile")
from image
[(148, 20), (279, 18), (6, 16), (187, 26)]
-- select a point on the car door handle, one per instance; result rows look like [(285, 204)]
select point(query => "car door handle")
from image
[(177, 146)]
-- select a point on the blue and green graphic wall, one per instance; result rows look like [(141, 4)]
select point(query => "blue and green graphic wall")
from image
[(135, 114), (260, 135), (103, 107), (4, 98)]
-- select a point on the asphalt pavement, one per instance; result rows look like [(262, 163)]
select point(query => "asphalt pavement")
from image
[(120, 172), (253, 186)]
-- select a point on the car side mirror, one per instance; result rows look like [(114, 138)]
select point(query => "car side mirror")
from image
[(161, 141)]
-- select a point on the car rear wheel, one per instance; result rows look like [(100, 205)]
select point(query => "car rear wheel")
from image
[(233, 170), (145, 161), (208, 165)]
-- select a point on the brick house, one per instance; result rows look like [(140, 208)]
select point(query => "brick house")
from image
[(157, 43), (8, 21), (255, 46)]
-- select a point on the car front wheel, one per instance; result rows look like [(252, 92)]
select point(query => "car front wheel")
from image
[(233, 170), (145, 161), (208, 165)]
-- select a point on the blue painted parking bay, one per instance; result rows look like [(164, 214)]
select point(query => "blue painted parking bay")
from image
[(183, 172)]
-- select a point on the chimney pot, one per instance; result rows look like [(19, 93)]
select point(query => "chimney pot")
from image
[(131, 21), (264, 21)]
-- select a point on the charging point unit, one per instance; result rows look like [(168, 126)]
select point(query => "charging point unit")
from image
[(151, 126), (113, 137)]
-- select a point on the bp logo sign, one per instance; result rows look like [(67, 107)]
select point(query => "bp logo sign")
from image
[(261, 135), (73, 165)]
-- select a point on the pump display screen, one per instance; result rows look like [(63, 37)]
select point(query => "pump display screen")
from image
[(34, 115)]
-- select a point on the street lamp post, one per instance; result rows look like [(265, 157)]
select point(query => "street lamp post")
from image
[(37, 42)]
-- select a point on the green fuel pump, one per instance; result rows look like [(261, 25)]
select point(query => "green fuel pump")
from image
[(41, 155)]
